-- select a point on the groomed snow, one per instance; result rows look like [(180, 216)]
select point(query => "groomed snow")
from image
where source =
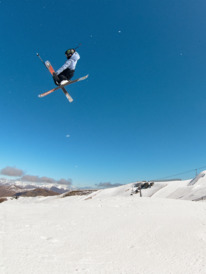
[(113, 233)]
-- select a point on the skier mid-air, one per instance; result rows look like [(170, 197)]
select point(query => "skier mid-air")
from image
[(63, 75), (66, 72)]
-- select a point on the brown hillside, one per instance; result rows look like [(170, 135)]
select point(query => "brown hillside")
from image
[(6, 191), (36, 192)]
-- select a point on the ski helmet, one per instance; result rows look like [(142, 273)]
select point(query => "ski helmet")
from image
[(69, 52)]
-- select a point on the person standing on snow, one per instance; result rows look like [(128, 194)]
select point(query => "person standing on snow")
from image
[(66, 72)]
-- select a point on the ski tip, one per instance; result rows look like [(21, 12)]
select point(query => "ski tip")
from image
[(84, 77), (70, 99)]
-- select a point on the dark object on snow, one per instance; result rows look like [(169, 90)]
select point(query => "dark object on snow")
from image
[(141, 185)]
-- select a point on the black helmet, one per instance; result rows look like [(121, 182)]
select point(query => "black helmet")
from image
[(69, 52)]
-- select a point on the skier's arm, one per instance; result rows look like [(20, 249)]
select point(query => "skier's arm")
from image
[(65, 66), (76, 56)]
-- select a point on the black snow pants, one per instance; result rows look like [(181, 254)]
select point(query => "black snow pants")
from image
[(67, 74)]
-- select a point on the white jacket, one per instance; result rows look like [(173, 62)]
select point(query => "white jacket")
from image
[(70, 64)]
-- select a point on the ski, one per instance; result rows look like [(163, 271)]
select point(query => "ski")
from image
[(67, 95), (50, 68), (62, 87)]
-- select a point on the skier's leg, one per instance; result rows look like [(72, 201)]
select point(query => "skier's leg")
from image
[(56, 79), (62, 77), (70, 74), (66, 75)]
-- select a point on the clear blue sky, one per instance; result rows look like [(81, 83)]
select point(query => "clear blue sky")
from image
[(140, 115)]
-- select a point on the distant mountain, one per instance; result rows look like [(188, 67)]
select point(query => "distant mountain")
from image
[(36, 192), (29, 187), (9, 190), (57, 190)]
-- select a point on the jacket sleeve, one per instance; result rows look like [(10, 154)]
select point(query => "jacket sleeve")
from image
[(65, 66), (76, 56)]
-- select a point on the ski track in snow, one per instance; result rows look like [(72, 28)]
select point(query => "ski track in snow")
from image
[(102, 235)]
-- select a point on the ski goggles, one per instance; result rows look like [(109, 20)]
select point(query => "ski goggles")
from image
[(69, 51)]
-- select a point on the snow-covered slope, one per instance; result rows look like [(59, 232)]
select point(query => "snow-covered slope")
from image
[(186, 190), (180, 189), (113, 234), (108, 231)]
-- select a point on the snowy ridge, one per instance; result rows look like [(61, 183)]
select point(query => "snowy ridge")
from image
[(194, 189), (198, 179), (181, 189)]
